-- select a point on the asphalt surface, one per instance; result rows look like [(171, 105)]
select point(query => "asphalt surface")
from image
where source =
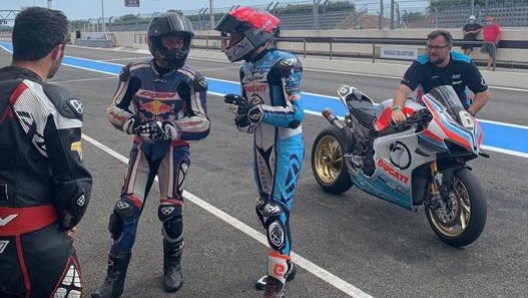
[(377, 248)]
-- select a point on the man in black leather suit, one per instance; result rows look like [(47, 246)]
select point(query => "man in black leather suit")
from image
[(44, 187)]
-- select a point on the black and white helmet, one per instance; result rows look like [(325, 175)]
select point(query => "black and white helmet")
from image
[(170, 23)]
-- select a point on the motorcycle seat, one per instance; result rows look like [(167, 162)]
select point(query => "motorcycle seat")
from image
[(366, 115)]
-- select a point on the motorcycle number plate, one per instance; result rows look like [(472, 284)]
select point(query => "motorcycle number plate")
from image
[(467, 120)]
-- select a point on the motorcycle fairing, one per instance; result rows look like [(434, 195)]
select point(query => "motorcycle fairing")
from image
[(396, 157), (381, 186), (443, 127)]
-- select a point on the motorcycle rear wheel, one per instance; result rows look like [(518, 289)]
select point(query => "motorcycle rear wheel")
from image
[(466, 216), (328, 161)]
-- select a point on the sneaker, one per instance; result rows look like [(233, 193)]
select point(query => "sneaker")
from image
[(261, 283)]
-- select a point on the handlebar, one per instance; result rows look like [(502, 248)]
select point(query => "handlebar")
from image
[(420, 118)]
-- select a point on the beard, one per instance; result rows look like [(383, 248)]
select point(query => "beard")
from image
[(438, 61), (55, 67)]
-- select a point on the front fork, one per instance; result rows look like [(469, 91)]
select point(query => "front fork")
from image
[(436, 199)]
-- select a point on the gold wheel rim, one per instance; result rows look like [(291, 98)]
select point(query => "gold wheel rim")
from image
[(455, 222), (328, 159)]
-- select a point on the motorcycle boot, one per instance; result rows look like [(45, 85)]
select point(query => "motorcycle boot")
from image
[(290, 275), (172, 274), (274, 288), (114, 282)]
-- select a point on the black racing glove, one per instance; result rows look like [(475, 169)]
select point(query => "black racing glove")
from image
[(153, 131), (248, 113), (131, 125)]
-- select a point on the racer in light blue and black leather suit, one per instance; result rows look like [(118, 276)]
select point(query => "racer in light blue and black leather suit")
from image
[(269, 107)]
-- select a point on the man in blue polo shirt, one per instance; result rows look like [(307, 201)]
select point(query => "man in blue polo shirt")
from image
[(442, 66)]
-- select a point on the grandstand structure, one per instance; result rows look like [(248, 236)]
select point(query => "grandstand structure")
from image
[(335, 14), (7, 20), (505, 13)]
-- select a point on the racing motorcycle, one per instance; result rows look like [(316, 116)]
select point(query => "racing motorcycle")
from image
[(419, 162)]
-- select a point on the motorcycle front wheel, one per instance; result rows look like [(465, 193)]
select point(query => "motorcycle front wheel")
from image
[(462, 217), (328, 161)]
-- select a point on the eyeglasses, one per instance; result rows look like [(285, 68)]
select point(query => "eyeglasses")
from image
[(436, 48)]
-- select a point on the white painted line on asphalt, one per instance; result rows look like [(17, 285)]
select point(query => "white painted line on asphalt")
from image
[(219, 68), (124, 59), (323, 274), (81, 80), (89, 69), (503, 124), (505, 151)]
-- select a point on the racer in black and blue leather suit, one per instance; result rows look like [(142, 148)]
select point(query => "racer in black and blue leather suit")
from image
[(168, 99)]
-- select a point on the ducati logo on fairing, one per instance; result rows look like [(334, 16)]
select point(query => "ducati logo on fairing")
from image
[(3, 245), (393, 172), (4, 221)]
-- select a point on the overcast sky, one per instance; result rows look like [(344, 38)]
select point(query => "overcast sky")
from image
[(84, 9)]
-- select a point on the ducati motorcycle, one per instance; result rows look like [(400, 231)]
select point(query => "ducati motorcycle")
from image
[(419, 162)]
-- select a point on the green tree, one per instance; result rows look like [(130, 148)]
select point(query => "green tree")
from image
[(176, 11), (412, 17), (447, 4)]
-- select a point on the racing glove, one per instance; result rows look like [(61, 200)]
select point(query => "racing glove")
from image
[(131, 125), (249, 114), (153, 131)]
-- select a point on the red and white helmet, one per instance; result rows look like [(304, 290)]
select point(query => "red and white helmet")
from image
[(254, 24)]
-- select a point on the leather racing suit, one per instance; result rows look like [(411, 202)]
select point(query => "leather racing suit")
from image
[(178, 96), (44, 187), (273, 78)]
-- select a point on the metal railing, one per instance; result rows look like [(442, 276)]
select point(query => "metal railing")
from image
[(204, 42)]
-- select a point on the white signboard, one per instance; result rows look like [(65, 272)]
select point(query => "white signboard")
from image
[(399, 53)]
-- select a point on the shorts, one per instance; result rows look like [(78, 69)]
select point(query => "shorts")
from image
[(467, 46), (488, 48)]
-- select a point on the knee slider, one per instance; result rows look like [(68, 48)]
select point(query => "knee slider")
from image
[(276, 231), (171, 217), (123, 211)]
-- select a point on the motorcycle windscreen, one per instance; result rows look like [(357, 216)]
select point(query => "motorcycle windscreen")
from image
[(447, 97), (466, 131)]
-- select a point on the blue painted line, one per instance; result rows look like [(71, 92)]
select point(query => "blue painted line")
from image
[(91, 64), (495, 135), (506, 137)]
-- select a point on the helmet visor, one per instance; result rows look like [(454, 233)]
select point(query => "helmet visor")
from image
[(230, 24)]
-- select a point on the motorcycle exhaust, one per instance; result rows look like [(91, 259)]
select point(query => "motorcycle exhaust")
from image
[(332, 118)]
